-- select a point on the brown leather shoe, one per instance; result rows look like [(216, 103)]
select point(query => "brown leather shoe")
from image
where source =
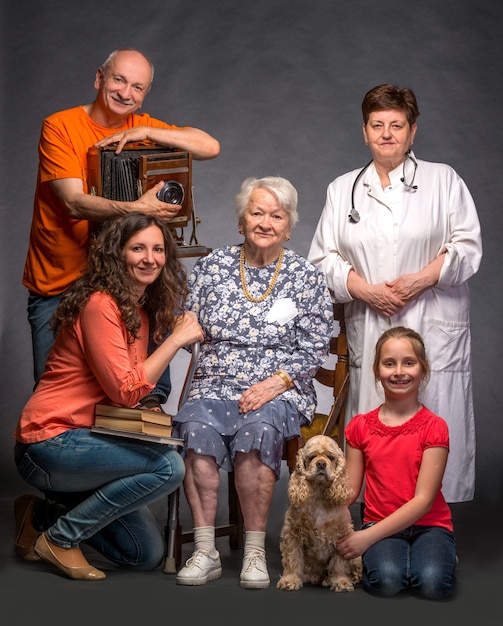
[(26, 533), (47, 551)]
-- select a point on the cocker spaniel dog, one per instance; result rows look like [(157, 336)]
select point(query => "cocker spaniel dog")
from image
[(317, 515)]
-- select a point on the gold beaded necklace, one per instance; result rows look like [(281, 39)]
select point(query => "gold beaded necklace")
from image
[(272, 282)]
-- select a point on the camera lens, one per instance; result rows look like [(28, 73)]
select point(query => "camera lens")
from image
[(172, 193)]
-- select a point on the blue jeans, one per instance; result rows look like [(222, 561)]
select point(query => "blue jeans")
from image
[(40, 311), (419, 558), (114, 480)]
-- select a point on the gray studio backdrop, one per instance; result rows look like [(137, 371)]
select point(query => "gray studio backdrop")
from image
[(279, 83)]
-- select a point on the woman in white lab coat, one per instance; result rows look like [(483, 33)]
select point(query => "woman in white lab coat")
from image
[(398, 241)]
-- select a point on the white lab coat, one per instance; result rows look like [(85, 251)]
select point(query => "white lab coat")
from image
[(401, 231)]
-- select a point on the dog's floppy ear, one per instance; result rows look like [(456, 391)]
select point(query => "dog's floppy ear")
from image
[(299, 488), (299, 461), (339, 492)]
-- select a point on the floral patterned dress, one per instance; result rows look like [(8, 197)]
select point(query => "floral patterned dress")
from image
[(246, 342)]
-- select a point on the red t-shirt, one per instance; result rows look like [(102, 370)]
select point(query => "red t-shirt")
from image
[(58, 244), (393, 457)]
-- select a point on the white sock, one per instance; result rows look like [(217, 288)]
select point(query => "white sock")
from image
[(254, 542), (204, 538)]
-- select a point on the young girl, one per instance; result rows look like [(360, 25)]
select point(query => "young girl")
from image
[(102, 484), (400, 449)]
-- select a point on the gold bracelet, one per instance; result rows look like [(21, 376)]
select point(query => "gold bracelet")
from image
[(284, 378)]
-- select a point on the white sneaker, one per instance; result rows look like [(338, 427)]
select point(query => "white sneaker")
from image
[(254, 574), (201, 567)]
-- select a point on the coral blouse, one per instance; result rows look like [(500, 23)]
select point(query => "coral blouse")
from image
[(91, 362)]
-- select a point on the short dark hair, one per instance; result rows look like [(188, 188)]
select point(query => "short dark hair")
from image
[(386, 97)]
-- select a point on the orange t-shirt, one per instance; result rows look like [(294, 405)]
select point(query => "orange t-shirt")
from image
[(58, 245)]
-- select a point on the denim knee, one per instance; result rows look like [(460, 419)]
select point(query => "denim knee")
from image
[(434, 583), (386, 580), (433, 562), (151, 556), (135, 540)]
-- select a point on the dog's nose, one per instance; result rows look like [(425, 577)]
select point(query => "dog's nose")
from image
[(321, 465)]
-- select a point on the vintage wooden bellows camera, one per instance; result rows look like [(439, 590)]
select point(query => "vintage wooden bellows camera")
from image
[(138, 167)]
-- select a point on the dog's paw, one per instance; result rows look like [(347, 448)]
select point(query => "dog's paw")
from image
[(339, 584), (356, 569), (290, 582)]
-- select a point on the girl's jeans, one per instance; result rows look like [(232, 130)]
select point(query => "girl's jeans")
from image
[(421, 558)]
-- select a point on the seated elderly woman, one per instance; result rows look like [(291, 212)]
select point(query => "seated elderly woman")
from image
[(267, 318)]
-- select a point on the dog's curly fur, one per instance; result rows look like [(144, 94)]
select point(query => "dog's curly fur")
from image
[(318, 514)]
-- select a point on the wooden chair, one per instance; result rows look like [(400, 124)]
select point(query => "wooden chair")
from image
[(334, 374), (174, 533), (172, 529)]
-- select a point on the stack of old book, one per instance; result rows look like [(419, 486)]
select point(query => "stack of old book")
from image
[(137, 423)]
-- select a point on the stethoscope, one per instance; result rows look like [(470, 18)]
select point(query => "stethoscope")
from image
[(354, 216)]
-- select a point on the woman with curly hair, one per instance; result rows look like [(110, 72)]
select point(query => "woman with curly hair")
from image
[(97, 487)]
